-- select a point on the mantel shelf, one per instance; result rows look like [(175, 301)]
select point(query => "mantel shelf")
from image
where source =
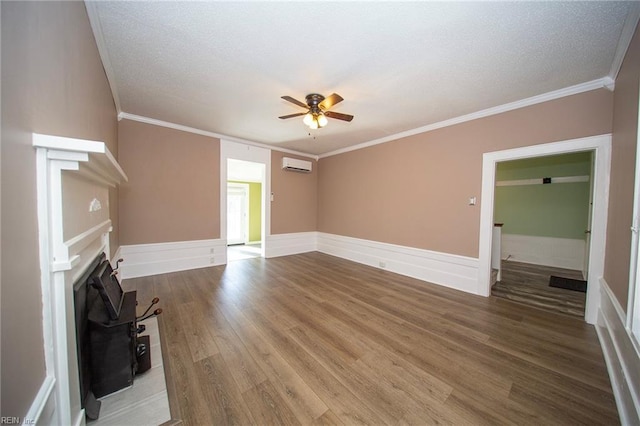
[(94, 159)]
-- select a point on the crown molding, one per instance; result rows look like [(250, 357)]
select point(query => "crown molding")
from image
[(628, 30), (161, 123), (98, 35), (604, 82)]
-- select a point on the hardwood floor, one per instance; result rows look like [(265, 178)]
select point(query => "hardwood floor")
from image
[(314, 339), (529, 284)]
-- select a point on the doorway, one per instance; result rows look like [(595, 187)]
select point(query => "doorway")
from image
[(245, 180), (237, 213), (244, 207), (543, 205), (601, 146)]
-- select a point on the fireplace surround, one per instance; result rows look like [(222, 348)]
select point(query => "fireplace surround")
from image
[(73, 181)]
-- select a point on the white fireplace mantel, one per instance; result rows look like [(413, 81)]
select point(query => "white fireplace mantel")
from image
[(73, 180)]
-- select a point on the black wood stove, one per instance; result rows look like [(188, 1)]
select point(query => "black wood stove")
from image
[(110, 352)]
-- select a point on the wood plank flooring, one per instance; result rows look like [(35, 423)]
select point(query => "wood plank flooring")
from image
[(314, 339), (529, 284)]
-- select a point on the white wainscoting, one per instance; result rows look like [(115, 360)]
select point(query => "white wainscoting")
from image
[(43, 407), (449, 270), (141, 260), (293, 243), (623, 362), (557, 252)]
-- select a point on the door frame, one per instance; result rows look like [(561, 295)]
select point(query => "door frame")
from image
[(632, 323), (601, 146), (255, 154)]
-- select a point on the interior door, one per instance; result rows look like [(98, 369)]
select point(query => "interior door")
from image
[(237, 213), (587, 232)]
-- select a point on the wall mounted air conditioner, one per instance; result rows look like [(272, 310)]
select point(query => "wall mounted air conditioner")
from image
[(296, 165)]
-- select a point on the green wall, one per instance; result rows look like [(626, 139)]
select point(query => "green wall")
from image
[(255, 210), (553, 210)]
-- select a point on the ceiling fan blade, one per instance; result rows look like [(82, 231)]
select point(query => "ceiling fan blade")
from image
[(330, 101), (339, 116), (295, 101), (298, 114)]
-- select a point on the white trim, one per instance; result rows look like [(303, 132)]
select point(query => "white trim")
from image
[(161, 123), (540, 181), (91, 159), (62, 261), (80, 241), (601, 145), (633, 299), (565, 253), (628, 29), (293, 243), (600, 83), (556, 94), (623, 362), (142, 260), (98, 34), (43, 406), (449, 270)]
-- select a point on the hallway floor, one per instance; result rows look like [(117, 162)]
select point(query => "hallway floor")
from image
[(529, 284)]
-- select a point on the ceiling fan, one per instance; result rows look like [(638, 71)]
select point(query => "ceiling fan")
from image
[(317, 107)]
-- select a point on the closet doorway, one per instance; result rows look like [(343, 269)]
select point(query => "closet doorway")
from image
[(544, 207), (601, 147)]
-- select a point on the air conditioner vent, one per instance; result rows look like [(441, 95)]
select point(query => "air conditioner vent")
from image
[(295, 165)]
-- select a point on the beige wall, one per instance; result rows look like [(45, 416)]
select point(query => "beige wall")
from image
[(625, 134), (295, 204), (173, 193), (415, 191), (53, 83)]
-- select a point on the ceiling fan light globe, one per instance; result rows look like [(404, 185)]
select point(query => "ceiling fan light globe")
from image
[(314, 124), (322, 120), (308, 119)]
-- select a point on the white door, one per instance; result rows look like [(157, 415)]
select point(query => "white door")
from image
[(587, 232), (237, 213)]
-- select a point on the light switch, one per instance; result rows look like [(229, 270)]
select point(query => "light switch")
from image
[(472, 201)]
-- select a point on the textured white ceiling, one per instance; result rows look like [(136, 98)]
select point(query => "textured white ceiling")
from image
[(222, 66)]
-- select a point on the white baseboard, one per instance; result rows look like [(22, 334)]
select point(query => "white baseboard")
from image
[(288, 244), (43, 407), (142, 260), (557, 252), (623, 362), (449, 270)]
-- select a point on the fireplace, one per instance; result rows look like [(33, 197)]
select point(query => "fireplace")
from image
[(73, 181), (110, 353)]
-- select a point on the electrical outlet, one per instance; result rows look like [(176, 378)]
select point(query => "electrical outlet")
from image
[(212, 250), (382, 264), (212, 260)]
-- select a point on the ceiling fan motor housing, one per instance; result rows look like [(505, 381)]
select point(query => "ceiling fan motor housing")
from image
[(313, 99)]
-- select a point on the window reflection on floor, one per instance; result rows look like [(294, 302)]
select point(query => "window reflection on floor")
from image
[(243, 251)]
